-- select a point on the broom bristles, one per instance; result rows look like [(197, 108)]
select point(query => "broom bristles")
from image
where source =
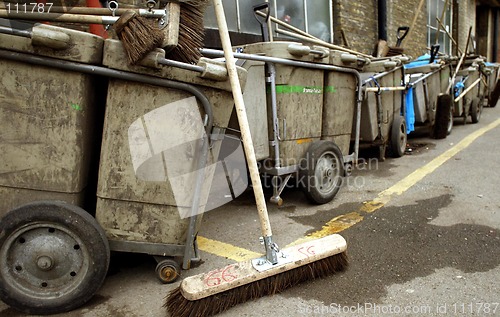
[(178, 306), (191, 32), (139, 37)]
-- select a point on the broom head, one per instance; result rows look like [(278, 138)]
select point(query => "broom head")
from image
[(191, 32), (216, 291), (138, 35)]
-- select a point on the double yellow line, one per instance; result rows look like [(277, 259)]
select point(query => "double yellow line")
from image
[(348, 220)]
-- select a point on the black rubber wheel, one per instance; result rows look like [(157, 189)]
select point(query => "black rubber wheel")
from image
[(450, 122), (443, 122), (168, 271), (467, 109), (398, 136), (321, 172), (495, 95), (476, 110), (53, 257)]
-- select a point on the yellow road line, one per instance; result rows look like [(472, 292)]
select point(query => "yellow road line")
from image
[(348, 220), (226, 250)]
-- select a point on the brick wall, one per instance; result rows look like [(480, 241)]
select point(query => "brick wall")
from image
[(464, 17), (359, 21), (484, 32), (402, 13)]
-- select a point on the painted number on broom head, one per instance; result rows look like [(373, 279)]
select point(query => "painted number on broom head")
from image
[(217, 277), (307, 251)]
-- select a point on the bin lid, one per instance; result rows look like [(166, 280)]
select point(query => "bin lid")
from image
[(344, 59), (53, 41), (288, 50), (115, 58)]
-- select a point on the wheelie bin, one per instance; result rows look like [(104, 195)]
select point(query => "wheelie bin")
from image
[(468, 97), (161, 142), (432, 104), (382, 113), (151, 149), (54, 255), (303, 117), (490, 72)]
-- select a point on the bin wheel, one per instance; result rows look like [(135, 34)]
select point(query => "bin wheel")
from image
[(321, 171), (53, 257), (398, 136), (450, 121), (348, 169), (168, 271), (443, 123), (494, 95), (476, 109), (467, 110)]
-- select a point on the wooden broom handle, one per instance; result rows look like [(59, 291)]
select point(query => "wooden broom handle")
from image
[(243, 120), (90, 10), (59, 17), (303, 36), (457, 69)]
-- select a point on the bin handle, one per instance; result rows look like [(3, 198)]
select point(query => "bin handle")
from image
[(263, 20), (401, 36), (434, 52)]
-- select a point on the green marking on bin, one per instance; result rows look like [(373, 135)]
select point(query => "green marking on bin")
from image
[(76, 106), (330, 89), (288, 89)]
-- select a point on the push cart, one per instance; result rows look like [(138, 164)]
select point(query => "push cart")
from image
[(491, 73), (162, 134), (428, 80), (382, 116), (468, 97), (305, 116)]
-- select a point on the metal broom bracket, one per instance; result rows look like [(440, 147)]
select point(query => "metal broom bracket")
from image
[(113, 6), (150, 4)]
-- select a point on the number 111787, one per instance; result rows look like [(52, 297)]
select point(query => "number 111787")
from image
[(31, 7)]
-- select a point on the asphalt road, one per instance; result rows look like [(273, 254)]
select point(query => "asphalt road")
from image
[(422, 232)]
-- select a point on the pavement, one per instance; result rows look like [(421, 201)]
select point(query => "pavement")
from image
[(423, 235)]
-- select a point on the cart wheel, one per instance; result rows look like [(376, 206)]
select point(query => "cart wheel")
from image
[(168, 271), (476, 109), (348, 169), (398, 136), (443, 122), (321, 171), (494, 95), (450, 122), (467, 110), (53, 257)]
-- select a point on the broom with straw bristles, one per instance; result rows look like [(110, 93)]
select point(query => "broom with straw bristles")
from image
[(191, 32), (216, 291), (138, 35)]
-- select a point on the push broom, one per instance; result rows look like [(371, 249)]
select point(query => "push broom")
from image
[(216, 291)]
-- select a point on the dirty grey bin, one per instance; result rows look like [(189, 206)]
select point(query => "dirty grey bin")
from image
[(299, 99), (382, 122), (491, 72), (340, 100), (54, 256), (298, 128), (149, 157), (47, 117), (468, 95), (431, 101)]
